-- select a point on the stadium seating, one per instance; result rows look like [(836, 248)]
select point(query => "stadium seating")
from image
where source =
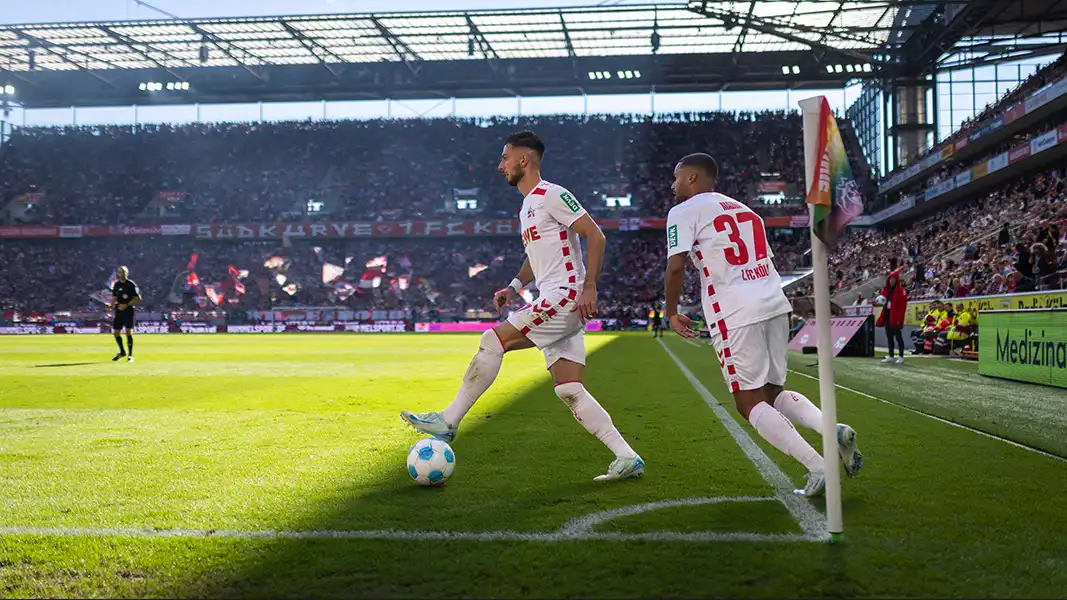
[(956, 251), (373, 170)]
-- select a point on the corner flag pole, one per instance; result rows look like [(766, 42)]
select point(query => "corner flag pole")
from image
[(810, 109)]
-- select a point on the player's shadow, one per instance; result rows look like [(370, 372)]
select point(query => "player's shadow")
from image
[(57, 365), (525, 466)]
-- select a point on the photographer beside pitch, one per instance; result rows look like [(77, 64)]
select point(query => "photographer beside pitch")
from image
[(125, 295)]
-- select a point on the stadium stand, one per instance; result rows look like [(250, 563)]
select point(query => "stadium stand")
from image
[(960, 251), (366, 171), (371, 170)]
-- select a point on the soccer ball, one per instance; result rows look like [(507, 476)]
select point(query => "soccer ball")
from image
[(880, 300), (431, 462)]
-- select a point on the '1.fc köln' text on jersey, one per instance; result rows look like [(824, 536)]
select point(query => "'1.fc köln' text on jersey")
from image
[(553, 249), (727, 243)]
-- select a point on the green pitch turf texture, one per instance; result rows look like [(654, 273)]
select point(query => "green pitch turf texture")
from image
[(112, 474)]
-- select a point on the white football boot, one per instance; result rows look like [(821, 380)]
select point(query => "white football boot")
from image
[(623, 468), (850, 454), (816, 485), (431, 423)]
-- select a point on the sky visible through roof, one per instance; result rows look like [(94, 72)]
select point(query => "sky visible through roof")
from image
[(50, 11)]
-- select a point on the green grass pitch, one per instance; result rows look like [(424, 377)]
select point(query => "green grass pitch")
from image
[(273, 465)]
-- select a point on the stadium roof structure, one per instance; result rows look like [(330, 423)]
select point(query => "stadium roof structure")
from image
[(701, 45)]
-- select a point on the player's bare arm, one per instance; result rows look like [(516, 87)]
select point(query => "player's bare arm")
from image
[(587, 228), (506, 296), (681, 324)]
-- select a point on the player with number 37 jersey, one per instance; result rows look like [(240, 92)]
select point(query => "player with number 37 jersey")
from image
[(746, 311), (727, 244)]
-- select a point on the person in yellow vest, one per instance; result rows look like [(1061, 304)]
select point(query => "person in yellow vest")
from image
[(928, 330), (963, 328)]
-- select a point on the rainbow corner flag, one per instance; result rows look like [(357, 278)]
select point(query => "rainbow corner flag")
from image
[(834, 195)]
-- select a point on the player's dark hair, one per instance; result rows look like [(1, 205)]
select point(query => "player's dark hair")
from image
[(527, 139), (702, 161)]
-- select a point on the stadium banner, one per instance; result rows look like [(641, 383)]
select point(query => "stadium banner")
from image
[(194, 327), (841, 331), (1044, 141), (858, 311), (422, 228), (376, 327), (917, 309), (340, 230), (1018, 153), (128, 230), (1061, 133), (26, 329), (176, 229), (258, 328), (481, 326), (941, 188), (29, 231), (998, 162), (962, 179), (1014, 113), (906, 202), (70, 231), (1024, 345)]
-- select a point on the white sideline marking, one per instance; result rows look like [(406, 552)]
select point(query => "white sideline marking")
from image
[(936, 418), (578, 529), (811, 522)]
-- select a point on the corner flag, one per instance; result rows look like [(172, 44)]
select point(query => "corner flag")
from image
[(832, 192), (835, 200)]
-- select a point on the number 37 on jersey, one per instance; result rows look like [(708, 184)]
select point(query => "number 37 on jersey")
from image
[(729, 235)]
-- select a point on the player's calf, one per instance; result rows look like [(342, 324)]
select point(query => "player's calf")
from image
[(594, 418), (480, 374), (122, 351)]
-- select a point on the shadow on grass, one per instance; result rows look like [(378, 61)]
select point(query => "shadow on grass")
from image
[(77, 364), (528, 467)]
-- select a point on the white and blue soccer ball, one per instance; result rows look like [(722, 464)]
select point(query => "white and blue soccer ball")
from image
[(431, 462)]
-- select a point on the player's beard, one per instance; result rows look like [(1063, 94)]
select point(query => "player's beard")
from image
[(514, 177)]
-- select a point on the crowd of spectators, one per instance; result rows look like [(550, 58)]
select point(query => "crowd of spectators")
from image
[(375, 169), (1042, 77), (1009, 240), (450, 276)]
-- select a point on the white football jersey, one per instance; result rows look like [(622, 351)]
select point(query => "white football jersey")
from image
[(727, 243), (554, 251)]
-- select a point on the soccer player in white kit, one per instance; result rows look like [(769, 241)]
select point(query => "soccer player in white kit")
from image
[(552, 221), (746, 311)]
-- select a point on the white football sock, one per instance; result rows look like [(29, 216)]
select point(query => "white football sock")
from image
[(776, 429), (593, 417), (797, 408), (479, 376)]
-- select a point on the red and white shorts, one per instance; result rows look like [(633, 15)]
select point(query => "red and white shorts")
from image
[(553, 325), (754, 355)]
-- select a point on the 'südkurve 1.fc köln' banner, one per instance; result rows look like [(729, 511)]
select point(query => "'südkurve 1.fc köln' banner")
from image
[(335, 229)]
